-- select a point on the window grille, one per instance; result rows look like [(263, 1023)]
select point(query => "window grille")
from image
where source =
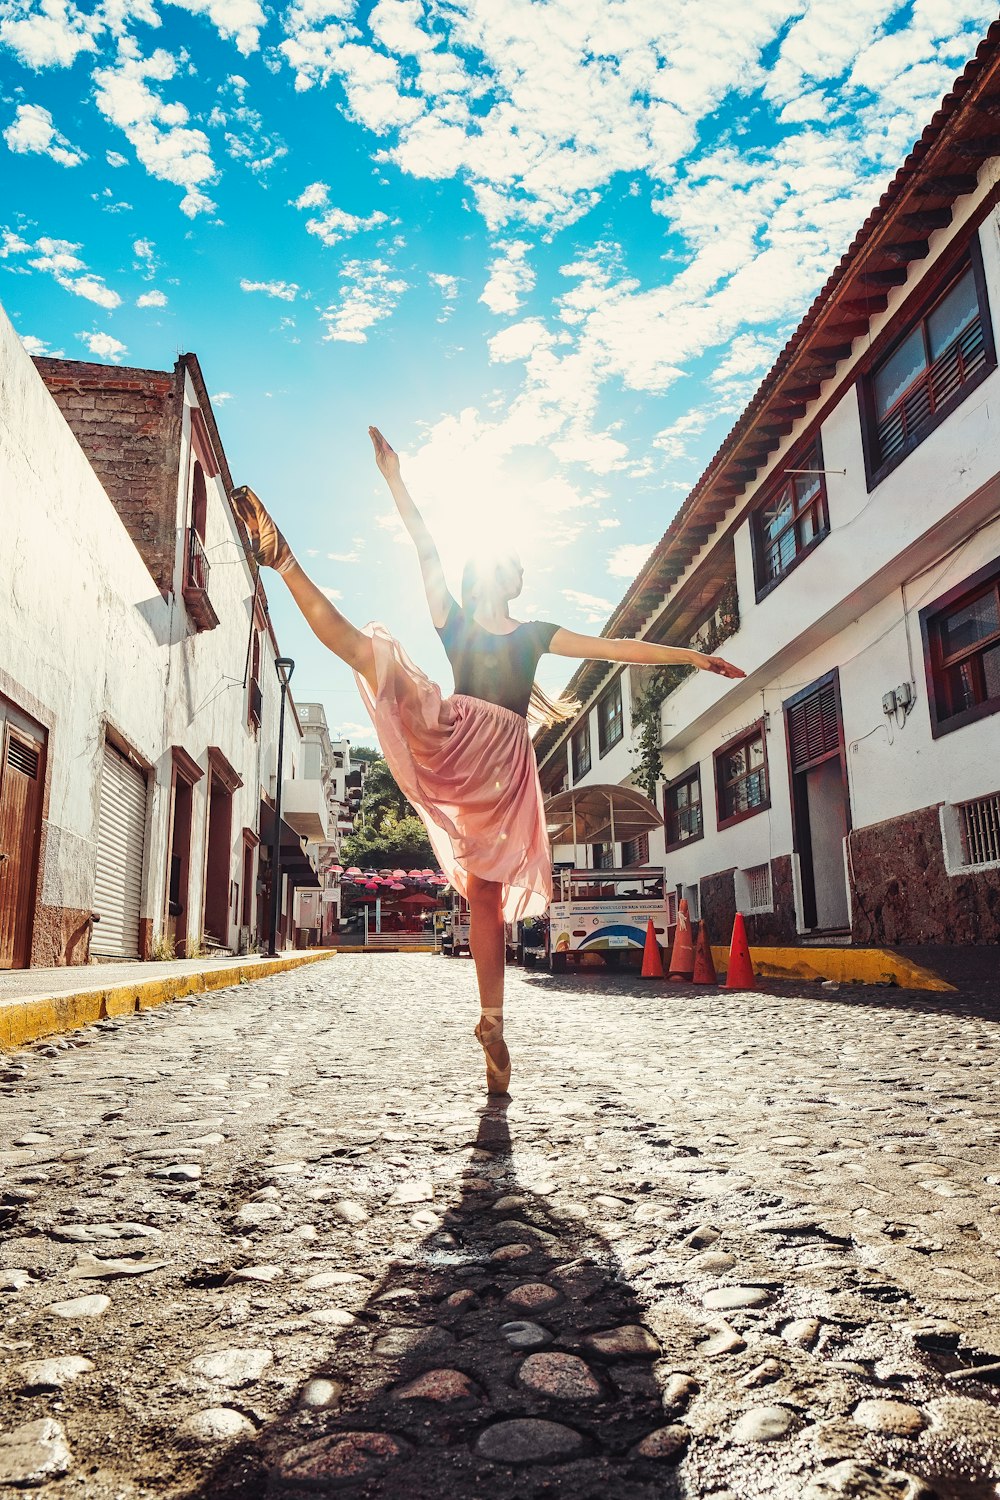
[(610, 726), (636, 851), (980, 823), (758, 887), (682, 808), (791, 519), (962, 648), (581, 750)]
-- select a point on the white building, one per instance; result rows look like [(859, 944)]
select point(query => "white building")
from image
[(845, 544), (138, 694)]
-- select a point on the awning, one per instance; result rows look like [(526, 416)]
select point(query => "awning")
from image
[(599, 815)]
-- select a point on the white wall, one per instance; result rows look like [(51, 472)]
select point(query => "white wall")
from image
[(83, 626)]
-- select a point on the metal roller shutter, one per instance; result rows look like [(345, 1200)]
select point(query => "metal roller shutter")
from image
[(121, 836)]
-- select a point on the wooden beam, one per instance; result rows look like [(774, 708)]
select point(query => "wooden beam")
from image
[(904, 252), (928, 219), (955, 186), (850, 328), (883, 278), (977, 148)]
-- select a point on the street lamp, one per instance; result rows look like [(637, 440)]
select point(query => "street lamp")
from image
[(284, 666)]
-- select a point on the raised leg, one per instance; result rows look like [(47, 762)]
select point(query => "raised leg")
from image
[(326, 622), (486, 939), (332, 628)]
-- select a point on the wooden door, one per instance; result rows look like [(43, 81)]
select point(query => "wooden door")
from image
[(20, 812)]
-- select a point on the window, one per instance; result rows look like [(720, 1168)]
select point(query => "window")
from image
[(791, 521), (929, 370), (741, 777), (604, 856), (980, 825), (581, 750), (255, 701), (961, 634), (682, 809), (609, 717), (636, 851), (753, 889)]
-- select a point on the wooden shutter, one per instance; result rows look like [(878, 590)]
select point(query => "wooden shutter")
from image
[(121, 839), (813, 728)]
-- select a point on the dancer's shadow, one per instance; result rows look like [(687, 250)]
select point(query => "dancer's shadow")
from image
[(445, 1392)]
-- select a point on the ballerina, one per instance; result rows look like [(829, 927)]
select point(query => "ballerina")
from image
[(465, 761)]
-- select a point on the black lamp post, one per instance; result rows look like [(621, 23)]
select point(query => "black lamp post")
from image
[(284, 666)]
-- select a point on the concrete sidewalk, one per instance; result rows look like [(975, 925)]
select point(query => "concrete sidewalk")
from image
[(41, 1002)]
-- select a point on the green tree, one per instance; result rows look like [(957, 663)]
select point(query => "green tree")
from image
[(387, 831)]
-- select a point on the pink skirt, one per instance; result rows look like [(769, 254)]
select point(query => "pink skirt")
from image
[(469, 769)]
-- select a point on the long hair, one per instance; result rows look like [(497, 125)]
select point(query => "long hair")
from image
[(480, 580)]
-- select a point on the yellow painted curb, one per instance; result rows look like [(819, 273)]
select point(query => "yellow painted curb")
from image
[(845, 965), (32, 1016)]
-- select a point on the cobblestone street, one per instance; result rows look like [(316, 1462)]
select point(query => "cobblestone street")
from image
[(273, 1241)]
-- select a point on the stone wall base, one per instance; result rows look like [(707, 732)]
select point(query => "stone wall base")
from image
[(61, 937), (903, 893)]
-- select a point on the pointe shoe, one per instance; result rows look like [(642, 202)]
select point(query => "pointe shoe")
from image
[(269, 547), (489, 1034)]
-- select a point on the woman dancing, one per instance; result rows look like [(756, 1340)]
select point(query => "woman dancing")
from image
[(466, 761)]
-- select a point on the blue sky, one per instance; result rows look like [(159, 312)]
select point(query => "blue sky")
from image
[(549, 246)]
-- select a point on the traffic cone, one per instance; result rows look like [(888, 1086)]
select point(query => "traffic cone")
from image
[(652, 959), (704, 963), (740, 974), (682, 953)]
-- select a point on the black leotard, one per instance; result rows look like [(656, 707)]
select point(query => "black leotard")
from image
[(497, 668)]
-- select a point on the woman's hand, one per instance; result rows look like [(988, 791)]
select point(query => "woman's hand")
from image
[(716, 664), (385, 455)]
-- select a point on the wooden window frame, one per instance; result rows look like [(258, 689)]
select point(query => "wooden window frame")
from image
[(693, 773), (745, 736), (979, 584), (804, 457), (641, 840), (582, 729), (932, 292), (603, 743)]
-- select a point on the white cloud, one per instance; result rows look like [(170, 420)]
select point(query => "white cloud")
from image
[(369, 293), (344, 557), (220, 397), (13, 244), (285, 291), (151, 299), (115, 159), (510, 279), (165, 144), (38, 346), (332, 594), (240, 21), (626, 560), (58, 258), (50, 34), (32, 130), (594, 610), (335, 224), (608, 523), (103, 346)]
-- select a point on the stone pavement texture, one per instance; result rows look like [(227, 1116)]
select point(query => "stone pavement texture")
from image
[(273, 1241)]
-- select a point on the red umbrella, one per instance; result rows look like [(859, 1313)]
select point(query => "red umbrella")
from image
[(398, 874), (397, 885), (418, 901), (370, 885), (353, 871), (335, 869)]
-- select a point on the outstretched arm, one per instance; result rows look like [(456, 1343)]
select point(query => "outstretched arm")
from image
[(640, 653), (438, 594)]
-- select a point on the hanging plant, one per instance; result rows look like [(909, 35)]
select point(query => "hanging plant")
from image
[(647, 767)]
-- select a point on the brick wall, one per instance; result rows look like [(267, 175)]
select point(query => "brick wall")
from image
[(903, 893), (128, 423)]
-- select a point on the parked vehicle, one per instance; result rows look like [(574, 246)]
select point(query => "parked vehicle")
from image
[(605, 912)]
